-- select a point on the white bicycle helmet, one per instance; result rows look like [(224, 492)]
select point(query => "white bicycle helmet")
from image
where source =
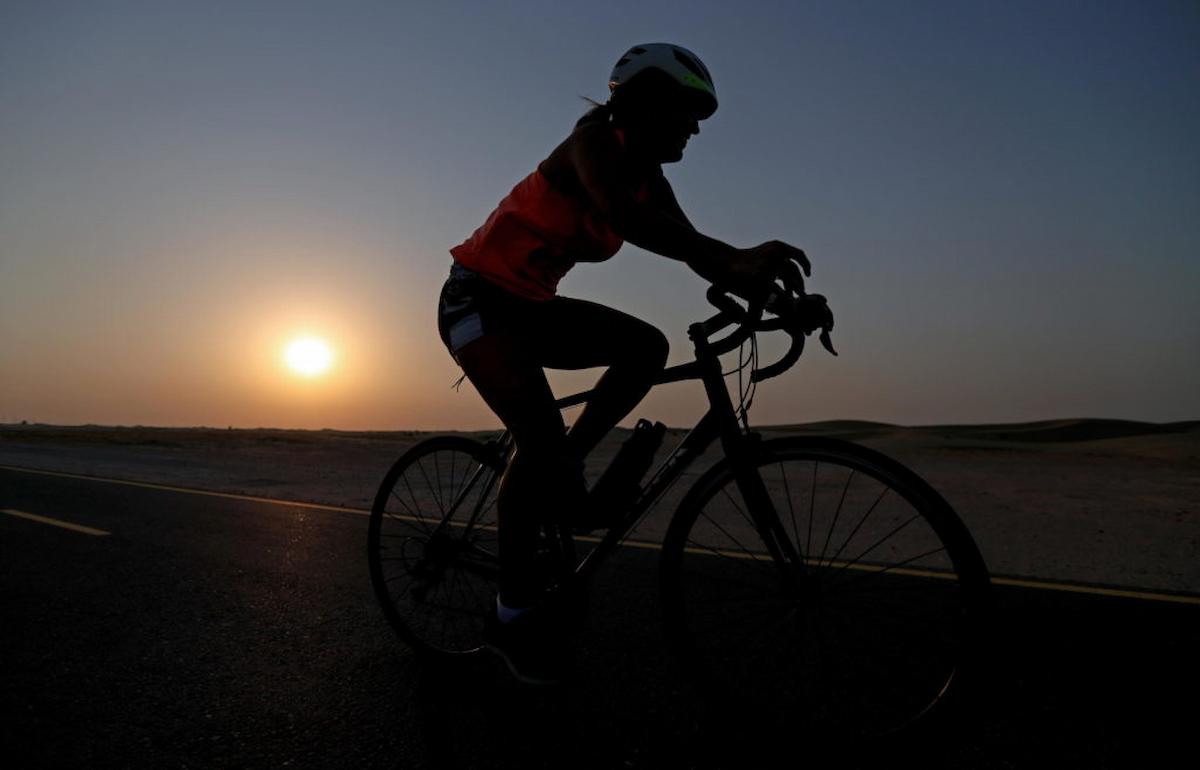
[(676, 61)]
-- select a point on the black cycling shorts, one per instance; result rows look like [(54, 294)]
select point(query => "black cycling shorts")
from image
[(471, 306), (558, 333)]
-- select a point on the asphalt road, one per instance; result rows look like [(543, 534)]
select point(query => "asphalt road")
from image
[(209, 631)]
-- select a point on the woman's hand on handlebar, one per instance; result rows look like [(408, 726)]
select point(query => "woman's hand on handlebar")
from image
[(754, 270)]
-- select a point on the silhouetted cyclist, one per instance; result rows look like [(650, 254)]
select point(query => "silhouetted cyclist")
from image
[(501, 319)]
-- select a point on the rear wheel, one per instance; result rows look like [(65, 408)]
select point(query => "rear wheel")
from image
[(432, 544), (868, 617)]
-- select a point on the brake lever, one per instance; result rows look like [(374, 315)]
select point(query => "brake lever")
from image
[(825, 341), (827, 326)]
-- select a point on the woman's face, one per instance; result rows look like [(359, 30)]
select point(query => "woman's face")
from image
[(662, 130)]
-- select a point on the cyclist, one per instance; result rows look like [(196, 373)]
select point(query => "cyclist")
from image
[(502, 321)]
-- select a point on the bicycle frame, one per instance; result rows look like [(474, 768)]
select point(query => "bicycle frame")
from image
[(719, 422)]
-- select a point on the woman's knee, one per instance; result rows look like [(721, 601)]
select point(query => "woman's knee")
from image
[(661, 348), (649, 349)]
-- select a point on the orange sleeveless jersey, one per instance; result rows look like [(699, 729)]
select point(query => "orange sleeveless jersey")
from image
[(535, 235)]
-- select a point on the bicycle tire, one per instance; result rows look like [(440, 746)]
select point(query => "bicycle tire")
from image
[(803, 672), (431, 544)]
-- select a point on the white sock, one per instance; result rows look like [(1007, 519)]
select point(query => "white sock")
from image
[(505, 614)]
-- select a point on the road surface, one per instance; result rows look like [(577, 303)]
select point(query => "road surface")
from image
[(167, 628)]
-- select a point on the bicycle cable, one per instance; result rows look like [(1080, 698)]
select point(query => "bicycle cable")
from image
[(751, 384), (746, 390)]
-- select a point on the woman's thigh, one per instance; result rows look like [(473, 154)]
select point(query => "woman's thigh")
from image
[(565, 333), (513, 384)]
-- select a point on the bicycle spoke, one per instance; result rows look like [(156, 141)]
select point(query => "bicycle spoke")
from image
[(476, 520), (416, 505), (412, 511), (878, 543), (408, 523), (738, 508), (750, 555), (812, 500), (469, 582), (733, 539), (457, 607), (436, 493), (876, 573), (437, 471), (787, 492), (858, 526), (836, 514)]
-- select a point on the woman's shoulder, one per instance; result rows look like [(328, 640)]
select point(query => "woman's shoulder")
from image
[(604, 138), (593, 137), (559, 165), (596, 131)]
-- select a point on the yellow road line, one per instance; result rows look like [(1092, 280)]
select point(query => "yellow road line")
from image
[(55, 522), (1075, 588), (1123, 593), (1078, 588), (186, 490)]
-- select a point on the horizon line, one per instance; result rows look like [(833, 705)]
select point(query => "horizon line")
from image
[(856, 421)]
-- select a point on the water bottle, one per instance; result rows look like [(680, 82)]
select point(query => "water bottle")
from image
[(618, 485)]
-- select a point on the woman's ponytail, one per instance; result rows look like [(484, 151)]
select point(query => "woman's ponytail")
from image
[(599, 113)]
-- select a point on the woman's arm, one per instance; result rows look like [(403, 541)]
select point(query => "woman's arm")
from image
[(659, 225), (599, 166), (663, 197)]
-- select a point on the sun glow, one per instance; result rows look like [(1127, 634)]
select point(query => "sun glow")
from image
[(308, 356)]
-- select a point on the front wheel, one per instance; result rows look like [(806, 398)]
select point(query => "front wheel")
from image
[(867, 615)]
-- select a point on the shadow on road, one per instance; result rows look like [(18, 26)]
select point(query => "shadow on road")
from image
[(1074, 680)]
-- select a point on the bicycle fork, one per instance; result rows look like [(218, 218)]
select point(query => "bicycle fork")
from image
[(740, 450)]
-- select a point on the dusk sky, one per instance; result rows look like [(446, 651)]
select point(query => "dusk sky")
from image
[(1000, 200)]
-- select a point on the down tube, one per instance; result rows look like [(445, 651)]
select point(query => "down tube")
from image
[(697, 440)]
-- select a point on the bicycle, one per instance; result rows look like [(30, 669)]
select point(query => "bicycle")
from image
[(807, 576)]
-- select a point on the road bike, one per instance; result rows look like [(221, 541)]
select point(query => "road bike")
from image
[(802, 578)]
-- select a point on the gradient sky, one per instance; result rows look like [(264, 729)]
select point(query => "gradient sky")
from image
[(1001, 200)]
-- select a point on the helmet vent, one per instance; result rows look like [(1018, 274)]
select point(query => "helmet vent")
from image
[(696, 67), (637, 50)]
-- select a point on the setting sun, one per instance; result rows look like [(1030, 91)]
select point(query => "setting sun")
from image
[(308, 356)]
